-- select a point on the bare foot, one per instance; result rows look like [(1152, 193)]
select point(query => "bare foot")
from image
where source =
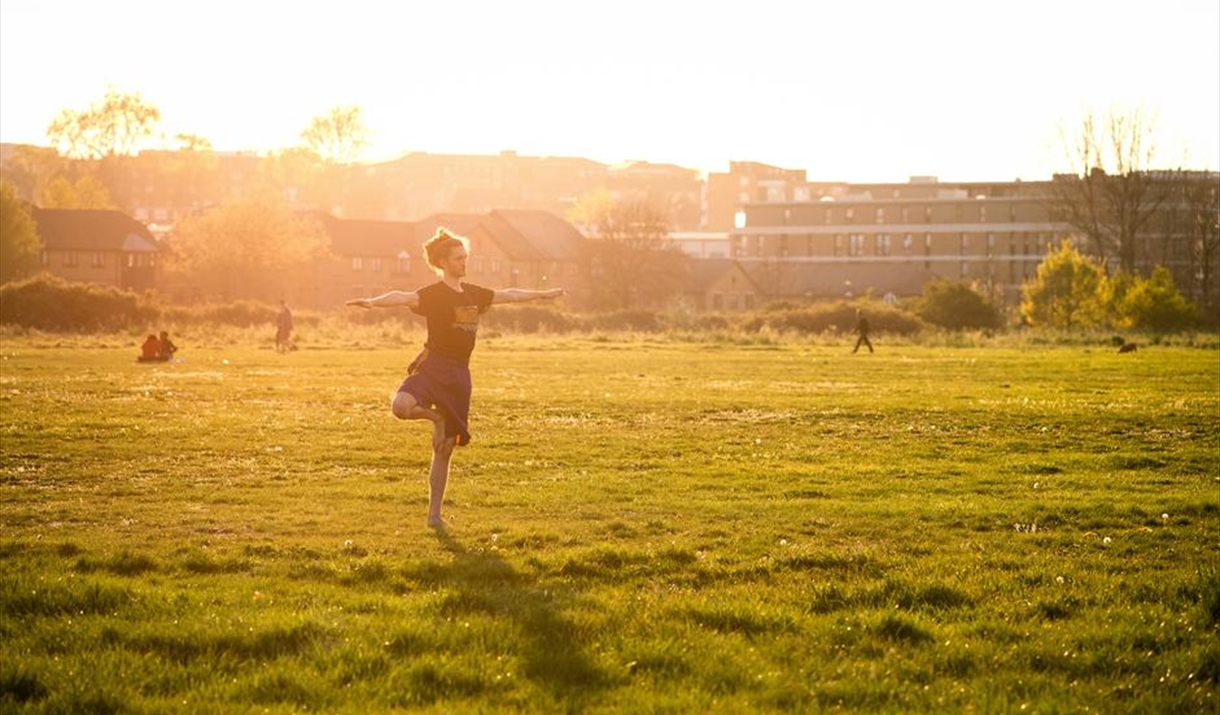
[(437, 524)]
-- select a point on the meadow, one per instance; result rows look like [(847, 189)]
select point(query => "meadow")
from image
[(639, 526)]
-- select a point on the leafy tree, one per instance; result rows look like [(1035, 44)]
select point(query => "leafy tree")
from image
[(1066, 292), (115, 126), (19, 241), (1155, 304), (338, 136), (87, 192), (634, 264), (30, 168), (956, 306), (254, 248)]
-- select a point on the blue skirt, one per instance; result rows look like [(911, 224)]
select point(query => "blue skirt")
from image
[(443, 384)]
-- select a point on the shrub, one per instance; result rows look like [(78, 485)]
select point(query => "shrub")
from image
[(46, 302), (530, 319), (837, 317), (956, 306), (1155, 304), (642, 321)]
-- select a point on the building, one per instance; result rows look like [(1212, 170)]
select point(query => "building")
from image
[(748, 182), (525, 249), (891, 239), (720, 284), (106, 248), (702, 244)]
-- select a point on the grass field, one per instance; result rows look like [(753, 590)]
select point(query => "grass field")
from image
[(638, 527)]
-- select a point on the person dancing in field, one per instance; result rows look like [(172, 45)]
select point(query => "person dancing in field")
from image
[(437, 386)]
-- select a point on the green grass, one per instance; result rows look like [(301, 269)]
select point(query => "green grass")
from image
[(639, 526)]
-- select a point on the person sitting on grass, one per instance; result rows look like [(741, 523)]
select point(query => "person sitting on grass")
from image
[(150, 350), (437, 386), (167, 348)]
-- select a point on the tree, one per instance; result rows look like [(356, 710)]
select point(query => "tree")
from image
[(1155, 304), (338, 136), (1066, 292), (30, 168), (87, 192), (254, 248), (115, 126), (20, 245), (634, 264), (956, 306), (1111, 193)]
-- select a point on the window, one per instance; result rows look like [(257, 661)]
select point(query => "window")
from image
[(927, 214), (44, 258), (827, 217), (964, 247), (376, 265), (879, 215), (70, 258), (965, 270), (495, 267), (850, 215), (908, 244), (906, 214), (838, 244), (982, 214), (99, 259), (855, 244), (882, 244), (990, 244), (476, 264), (403, 264), (357, 263)]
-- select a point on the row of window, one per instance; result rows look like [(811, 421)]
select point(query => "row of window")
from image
[(857, 244), (97, 259), (476, 265), (904, 214)]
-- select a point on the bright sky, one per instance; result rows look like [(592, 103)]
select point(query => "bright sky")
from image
[(853, 90)]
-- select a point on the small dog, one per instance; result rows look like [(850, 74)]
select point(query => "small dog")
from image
[(1128, 348)]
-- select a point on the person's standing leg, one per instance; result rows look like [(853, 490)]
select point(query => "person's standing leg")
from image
[(438, 478)]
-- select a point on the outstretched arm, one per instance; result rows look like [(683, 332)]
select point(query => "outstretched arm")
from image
[(518, 295), (393, 299)]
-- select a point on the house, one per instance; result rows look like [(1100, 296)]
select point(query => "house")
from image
[(538, 249), (526, 249), (102, 247), (366, 258), (720, 284)]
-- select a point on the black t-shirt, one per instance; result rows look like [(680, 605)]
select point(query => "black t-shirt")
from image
[(453, 317)]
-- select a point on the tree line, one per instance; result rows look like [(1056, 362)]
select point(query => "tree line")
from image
[(1112, 198)]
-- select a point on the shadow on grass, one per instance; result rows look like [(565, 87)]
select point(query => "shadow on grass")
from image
[(550, 644)]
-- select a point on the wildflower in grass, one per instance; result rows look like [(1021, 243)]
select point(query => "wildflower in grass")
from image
[(1106, 540)]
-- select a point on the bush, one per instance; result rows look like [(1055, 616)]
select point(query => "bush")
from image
[(1155, 304), (529, 319), (641, 321), (46, 302), (956, 306), (836, 317)]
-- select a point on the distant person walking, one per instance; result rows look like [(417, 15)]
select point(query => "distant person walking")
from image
[(283, 329), (437, 387), (863, 329)]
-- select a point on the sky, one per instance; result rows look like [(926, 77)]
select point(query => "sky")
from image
[(852, 90)]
